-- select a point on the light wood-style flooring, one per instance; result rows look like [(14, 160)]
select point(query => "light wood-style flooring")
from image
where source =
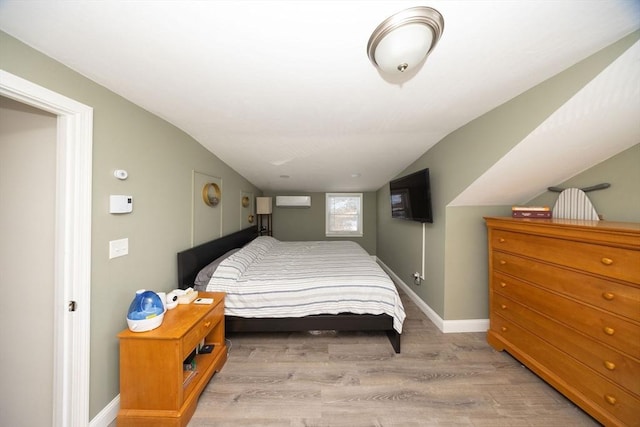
[(355, 379)]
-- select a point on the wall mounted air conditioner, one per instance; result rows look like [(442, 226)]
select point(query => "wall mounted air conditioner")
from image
[(293, 201)]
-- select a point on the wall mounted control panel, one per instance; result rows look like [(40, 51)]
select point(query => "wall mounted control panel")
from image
[(119, 204)]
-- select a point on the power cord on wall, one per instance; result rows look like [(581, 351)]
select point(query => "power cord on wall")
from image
[(229, 345)]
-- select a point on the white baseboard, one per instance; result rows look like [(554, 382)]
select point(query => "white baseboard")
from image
[(108, 414), (446, 326), (466, 325)]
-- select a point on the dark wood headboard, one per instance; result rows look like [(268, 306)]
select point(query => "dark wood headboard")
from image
[(191, 261)]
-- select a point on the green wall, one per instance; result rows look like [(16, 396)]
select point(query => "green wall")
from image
[(621, 201), (160, 159), (309, 223), (455, 244)]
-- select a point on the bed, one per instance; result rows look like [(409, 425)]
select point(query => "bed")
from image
[(386, 316)]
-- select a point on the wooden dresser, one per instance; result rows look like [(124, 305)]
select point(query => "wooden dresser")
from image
[(565, 301), (155, 390)]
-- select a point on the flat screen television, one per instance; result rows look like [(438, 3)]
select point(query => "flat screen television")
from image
[(411, 197)]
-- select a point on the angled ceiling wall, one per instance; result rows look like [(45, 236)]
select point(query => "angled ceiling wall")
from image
[(598, 122)]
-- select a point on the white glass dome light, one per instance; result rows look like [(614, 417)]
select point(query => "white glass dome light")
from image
[(404, 40)]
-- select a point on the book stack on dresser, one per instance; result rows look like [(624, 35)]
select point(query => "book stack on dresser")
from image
[(531, 212)]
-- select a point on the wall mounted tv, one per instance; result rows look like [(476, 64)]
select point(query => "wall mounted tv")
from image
[(411, 197)]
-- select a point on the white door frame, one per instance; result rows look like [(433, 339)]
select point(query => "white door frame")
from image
[(72, 256)]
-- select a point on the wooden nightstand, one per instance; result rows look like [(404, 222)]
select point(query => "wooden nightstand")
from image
[(155, 390)]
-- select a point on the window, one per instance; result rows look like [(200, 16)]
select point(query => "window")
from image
[(344, 214)]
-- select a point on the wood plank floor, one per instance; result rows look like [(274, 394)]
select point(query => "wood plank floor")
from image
[(355, 379)]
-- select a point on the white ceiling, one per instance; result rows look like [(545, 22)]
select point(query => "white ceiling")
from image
[(601, 120), (285, 88)]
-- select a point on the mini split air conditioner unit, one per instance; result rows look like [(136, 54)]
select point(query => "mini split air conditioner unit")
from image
[(293, 201)]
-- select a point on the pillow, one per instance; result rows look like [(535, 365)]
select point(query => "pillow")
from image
[(204, 275), (231, 268), (262, 244)]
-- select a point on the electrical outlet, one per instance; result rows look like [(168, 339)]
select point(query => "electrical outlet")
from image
[(416, 278)]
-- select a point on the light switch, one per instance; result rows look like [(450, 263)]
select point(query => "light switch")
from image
[(118, 248)]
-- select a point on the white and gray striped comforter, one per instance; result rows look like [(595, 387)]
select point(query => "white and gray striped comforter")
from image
[(270, 278)]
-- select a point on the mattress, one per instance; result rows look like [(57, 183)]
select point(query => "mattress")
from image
[(269, 278)]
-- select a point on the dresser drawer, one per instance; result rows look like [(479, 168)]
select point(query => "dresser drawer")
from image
[(610, 363), (608, 399), (201, 329), (608, 295), (609, 261), (598, 324)]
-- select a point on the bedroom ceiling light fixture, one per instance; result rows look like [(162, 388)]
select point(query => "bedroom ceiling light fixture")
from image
[(404, 40)]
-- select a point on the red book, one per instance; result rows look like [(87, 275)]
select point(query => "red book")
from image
[(530, 214), (530, 208)]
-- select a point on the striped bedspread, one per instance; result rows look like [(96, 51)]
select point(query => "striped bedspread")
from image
[(270, 278)]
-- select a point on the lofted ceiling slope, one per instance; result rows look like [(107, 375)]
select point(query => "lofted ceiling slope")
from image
[(601, 120), (282, 89)]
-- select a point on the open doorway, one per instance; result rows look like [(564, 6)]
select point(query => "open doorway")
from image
[(27, 192), (71, 243)]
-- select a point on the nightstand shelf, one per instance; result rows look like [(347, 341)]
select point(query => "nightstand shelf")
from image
[(155, 390)]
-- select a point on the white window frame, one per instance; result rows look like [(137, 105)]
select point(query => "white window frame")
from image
[(329, 213)]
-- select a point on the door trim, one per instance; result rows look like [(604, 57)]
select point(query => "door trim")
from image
[(72, 258)]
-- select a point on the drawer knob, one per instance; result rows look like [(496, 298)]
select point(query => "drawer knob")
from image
[(611, 400), (609, 365), (504, 329), (207, 324), (501, 240), (503, 306), (607, 261), (609, 330), (502, 262), (608, 296), (503, 285)]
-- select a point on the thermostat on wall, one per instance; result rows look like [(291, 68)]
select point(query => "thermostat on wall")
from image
[(120, 204)]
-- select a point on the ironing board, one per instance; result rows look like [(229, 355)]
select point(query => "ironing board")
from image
[(573, 203)]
